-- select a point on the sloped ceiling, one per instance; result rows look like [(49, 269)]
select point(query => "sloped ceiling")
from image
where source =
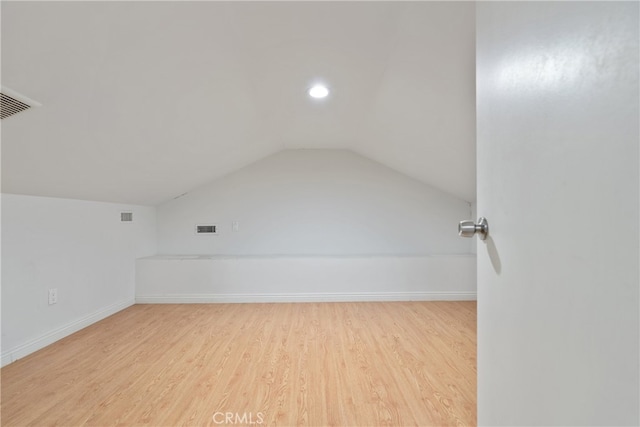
[(143, 101)]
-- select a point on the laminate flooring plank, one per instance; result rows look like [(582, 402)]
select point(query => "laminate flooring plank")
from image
[(312, 364)]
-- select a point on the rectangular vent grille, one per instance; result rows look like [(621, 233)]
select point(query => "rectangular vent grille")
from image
[(10, 106), (206, 229), (126, 216)]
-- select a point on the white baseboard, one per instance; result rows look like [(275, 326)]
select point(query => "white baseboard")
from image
[(36, 344), (306, 297)]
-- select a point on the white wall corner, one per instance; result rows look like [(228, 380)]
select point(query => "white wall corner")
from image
[(33, 345)]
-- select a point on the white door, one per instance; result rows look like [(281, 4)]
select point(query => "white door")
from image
[(557, 129)]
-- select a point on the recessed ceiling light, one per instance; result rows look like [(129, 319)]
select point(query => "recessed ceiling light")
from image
[(318, 91)]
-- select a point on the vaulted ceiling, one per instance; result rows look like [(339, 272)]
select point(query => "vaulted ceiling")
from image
[(143, 101)]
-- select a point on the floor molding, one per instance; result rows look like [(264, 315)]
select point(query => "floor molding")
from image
[(306, 297), (42, 341)]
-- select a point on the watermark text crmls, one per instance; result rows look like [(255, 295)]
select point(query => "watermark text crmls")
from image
[(246, 418)]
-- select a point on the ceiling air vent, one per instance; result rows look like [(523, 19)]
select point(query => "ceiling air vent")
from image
[(12, 103), (11, 106)]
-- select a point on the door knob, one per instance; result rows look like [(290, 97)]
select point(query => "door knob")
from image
[(469, 228)]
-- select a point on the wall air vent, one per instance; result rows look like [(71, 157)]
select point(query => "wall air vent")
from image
[(12, 103), (206, 229), (126, 216)]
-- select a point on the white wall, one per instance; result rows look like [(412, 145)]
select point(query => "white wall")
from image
[(558, 178), (79, 247), (323, 202), (337, 226), (179, 279)]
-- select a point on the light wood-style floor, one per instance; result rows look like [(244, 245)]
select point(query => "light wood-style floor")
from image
[(320, 364)]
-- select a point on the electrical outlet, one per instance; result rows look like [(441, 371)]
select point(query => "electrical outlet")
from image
[(53, 296), (235, 226)]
